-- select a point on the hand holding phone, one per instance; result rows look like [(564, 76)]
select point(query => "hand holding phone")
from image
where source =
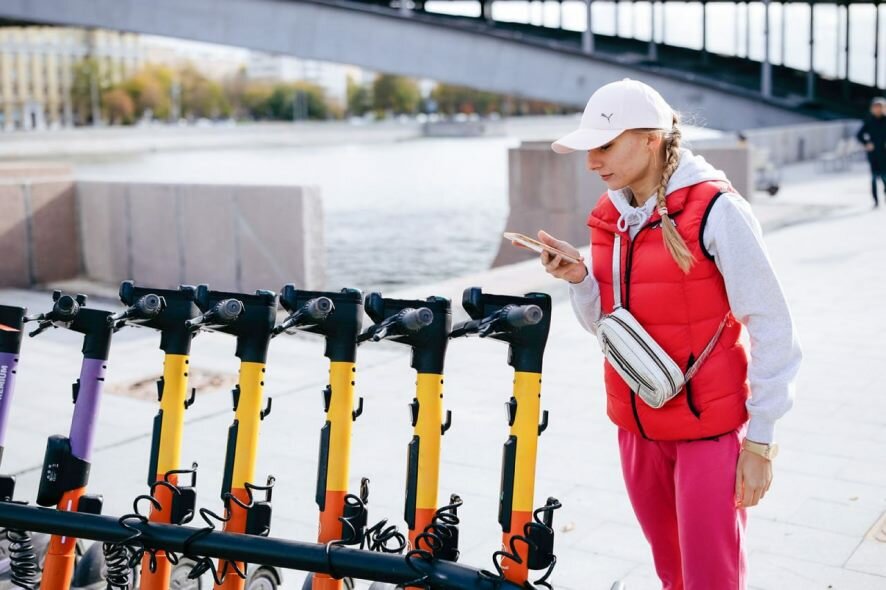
[(535, 245)]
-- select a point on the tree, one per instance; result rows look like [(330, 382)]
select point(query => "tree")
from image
[(151, 89), (395, 93), (88, 83), (309, 98), (119, 106), (359, 100), (453, 99), (200, 96)]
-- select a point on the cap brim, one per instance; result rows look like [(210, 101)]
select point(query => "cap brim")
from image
[(585, 139)]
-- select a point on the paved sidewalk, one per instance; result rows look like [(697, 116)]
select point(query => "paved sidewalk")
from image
[(816, 528)]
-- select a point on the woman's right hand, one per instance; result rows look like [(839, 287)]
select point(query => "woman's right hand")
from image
[(574, 272)]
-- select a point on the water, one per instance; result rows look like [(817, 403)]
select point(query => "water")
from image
[(395, 213)]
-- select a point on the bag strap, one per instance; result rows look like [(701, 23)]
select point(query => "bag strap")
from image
[(707, 351), (616, 272), (616, 298)]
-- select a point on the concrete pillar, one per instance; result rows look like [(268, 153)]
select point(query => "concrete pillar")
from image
[(653, 48), (747, 30), (876, 45), (784, 31), (766, 66), (404, 8), (486, 10), (615, 4), (587, 39), (737, 32), (810, 75), (846, 66), (704, 31)]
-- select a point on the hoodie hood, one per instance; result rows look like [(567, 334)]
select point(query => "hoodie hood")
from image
[(691, 170)]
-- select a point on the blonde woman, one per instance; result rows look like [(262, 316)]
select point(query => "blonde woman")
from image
[(692, 262)]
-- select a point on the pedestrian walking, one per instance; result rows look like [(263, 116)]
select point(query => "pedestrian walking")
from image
[(872, 136)]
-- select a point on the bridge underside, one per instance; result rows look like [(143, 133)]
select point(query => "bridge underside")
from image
[(522, 60)]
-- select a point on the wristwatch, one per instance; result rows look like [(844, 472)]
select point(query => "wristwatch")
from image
[(766, 451)]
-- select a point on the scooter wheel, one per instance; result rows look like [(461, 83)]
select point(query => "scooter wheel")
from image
[(179, 580), (347, 583), (262, 579)]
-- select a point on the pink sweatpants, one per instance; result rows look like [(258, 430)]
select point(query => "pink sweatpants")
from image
[(683, 494)]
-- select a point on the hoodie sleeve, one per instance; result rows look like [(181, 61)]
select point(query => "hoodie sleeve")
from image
[(734, 238), (585, 299)]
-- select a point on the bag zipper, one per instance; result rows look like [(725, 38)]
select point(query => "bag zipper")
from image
[(627, 367), (651, 353)]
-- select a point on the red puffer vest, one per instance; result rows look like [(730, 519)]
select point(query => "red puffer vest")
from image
[(681, 312)]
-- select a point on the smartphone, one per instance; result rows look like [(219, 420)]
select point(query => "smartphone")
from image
[(537, 246)]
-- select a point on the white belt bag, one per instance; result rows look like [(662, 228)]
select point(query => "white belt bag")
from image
[(647, 369)]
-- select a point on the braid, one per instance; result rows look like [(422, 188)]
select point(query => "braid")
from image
[(672, 238)]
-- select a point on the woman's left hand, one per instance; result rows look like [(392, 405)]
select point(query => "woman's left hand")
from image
[(753, 477)]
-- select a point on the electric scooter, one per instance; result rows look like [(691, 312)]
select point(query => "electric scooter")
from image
[(524, 323), (66, 464), (251, 319), (424, 327)]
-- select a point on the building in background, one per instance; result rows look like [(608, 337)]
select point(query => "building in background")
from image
[(37, 70), (332, 78)]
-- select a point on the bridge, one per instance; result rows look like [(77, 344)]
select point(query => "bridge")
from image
[(521, 59)]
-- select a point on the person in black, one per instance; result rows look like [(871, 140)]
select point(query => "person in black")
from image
[(872, 136)]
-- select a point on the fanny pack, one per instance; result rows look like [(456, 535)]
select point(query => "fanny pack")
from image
[(647, 369)]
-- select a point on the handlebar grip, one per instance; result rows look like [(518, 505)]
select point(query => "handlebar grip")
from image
[(65, 309), (414, 320), (520, 316), (319, 307), (228, 310), (149, 306)]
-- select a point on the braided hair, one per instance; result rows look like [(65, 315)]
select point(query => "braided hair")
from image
[(673, 240)]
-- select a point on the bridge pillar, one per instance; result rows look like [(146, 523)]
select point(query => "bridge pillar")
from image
[(704, 32), (615, 4), (486, 10), (810, 75), (846, 65), (587, 38), (766, 66), (404, 8), (877, 45), (653, 48)]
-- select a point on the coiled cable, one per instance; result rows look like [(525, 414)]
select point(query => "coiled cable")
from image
[(24, 567), (538, 523), (435, 536)]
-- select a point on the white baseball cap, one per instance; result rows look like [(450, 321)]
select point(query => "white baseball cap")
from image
[(612, 110)]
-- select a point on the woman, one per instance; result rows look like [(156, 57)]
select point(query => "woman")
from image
[(692, 263)]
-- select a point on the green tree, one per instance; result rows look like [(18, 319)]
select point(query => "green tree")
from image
[(309, 98), (453, 99), (89, 82), (395, 93), (359, 99)]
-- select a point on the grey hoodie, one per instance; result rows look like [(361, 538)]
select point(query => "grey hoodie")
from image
[(734, 238)]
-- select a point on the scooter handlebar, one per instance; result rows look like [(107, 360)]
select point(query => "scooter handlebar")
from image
[(64, 309), (406, 320), (314, 310), (147, 307), (520, 316), (225, 312)]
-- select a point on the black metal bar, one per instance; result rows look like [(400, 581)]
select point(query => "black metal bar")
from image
[(356, 563)]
